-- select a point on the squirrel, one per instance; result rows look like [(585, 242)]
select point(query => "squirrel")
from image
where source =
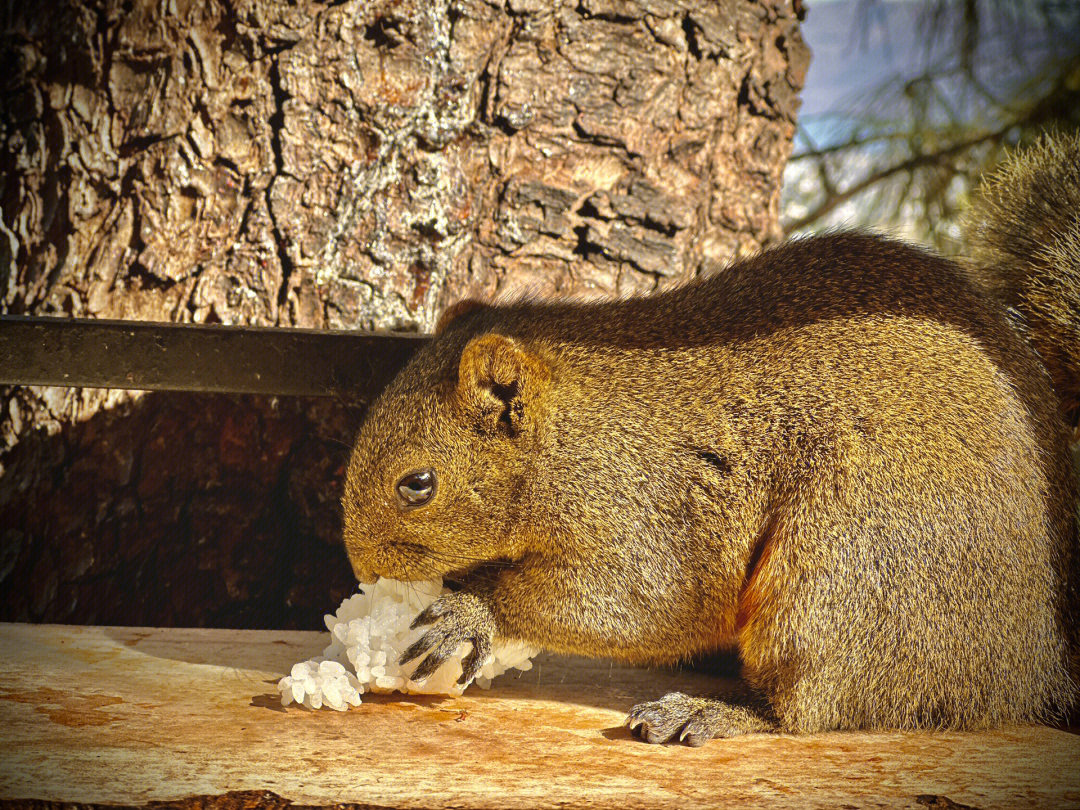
[(845, 457)]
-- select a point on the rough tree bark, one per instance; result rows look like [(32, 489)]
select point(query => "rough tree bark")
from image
[(352, 164)]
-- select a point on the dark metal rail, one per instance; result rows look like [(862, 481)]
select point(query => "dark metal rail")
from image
[(195, 357)]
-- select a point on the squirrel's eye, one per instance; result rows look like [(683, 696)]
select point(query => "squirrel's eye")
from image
[(416, 488)]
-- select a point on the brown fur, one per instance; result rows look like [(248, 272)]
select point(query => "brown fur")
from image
[(1024, 227), (453, 311), (839, 456)]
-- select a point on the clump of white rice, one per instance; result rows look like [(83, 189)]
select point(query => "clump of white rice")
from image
[(368, 633)]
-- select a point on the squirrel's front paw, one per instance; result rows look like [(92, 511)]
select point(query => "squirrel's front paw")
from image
[(461, 617), (693, 720)]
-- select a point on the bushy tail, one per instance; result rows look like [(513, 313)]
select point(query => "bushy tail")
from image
[(1024, 234)]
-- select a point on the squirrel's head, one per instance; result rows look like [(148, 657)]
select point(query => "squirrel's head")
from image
[(439, 472)]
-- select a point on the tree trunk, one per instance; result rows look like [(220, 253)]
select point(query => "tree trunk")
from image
[(348, 165)]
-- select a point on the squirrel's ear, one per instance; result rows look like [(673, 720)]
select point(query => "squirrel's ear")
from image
[(455, 311), (500, 382)]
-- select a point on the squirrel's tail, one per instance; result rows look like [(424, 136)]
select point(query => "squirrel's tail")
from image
[(1024, 234)]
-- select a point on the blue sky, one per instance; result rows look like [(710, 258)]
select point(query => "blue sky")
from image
[(860, 44), (864, 54)]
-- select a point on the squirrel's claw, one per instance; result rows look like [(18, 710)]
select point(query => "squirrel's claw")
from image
[(435, 659), (461, 617), (656, 722), (693, 720), (418, 648), (429, 615), (475, 660)]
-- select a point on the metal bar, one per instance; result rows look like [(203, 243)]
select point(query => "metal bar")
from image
[(197, 357)]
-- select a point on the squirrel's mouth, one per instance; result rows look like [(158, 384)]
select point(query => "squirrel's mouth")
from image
[(487, 572), (412, 561)]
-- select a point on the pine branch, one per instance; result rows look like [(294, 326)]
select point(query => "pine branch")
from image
[(837, 198)]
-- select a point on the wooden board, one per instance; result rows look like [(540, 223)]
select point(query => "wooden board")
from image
[(128, 716)]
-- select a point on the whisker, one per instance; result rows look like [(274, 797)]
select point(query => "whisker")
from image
[(334, 440), (446, 555), (451, 557), (481, 575)]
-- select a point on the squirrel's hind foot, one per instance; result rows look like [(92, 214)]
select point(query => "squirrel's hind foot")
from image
[(694, 720)]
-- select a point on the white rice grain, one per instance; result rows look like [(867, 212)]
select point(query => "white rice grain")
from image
[(367, 634)]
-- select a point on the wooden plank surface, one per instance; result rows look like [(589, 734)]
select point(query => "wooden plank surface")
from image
[(128, 716)]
